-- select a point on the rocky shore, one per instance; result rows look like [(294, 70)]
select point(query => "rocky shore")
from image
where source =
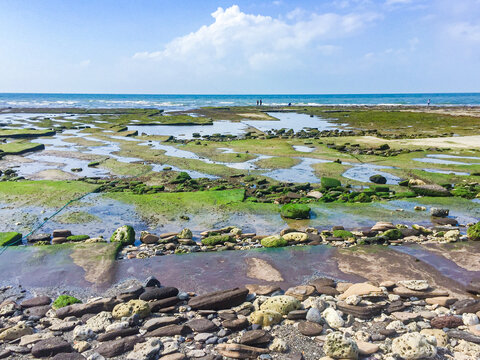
[(323, 319)]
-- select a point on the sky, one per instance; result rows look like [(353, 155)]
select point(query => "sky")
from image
[(239, 47)]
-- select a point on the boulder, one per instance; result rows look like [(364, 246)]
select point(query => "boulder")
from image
[(273, 241), (447, 321), (361, 289), (133, 307), (240, 351), (50, 347), (36, 301), (265, 317), (94, 307), (296, 237), (118, 347), (414, 345), (124, 235), (309, 328), (417, 285), (15, 332), (155, 293), (378, 179), (219, 300), (338, 346), (255, 337), (333, 318)]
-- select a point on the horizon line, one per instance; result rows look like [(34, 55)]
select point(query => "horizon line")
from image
[(235, 94)]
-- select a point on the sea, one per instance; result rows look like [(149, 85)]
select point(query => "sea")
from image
[(185, 102)]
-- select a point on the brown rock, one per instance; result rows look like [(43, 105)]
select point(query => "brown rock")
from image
[(474, 287), (236, 324), (169, 330), (255, 337), (50, 347), (149, 239), (155, 293), (94, 307), (156, 323), (327, 290), (441, 300), (36, 301), (301, 292), (61, 233), (322, 282), (447, 321), (219, 300), (240, 351), (174, 356), (406, 293), (297, 314), (118, 347), (156, 306), (360, 311), (59, 240), (309, 328), (37, 310), (202, 325), (112, 335)]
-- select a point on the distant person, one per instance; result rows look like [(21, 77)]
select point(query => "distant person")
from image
[(257, 102), (260, 102), (289, 104), (428, 102)]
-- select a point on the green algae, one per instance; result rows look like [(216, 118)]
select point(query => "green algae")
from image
[(65, 300), (277, 162), (77, 217), (9, 238), (19, 147)]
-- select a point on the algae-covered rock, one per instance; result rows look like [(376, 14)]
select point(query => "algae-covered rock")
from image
[(130, 308), (217, 239), (64, 300), (273, 241), (378, 179), (181, 178), (185, 234), (124, 234), (473, 232), (338, 346), (344, 234), (295, 211), (77, 238), (9, 238), (393, 234), (330, 183), (282, 304), (414, 345), (296, 237), (430, 190), (265, 317)]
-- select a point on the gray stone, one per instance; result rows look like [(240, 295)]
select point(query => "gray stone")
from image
[(51, 347)]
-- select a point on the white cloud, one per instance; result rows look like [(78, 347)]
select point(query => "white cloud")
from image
[(465, 31), (240, 41)]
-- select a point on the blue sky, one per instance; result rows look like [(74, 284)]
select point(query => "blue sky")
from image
[(225, 47)]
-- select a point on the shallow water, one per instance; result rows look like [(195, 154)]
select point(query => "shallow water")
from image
[(441, 161), (362, 172), (291, 120), (436, 171), (302, 172)]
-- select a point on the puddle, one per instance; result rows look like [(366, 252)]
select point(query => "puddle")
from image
[(305, 149), (430, 160), (42, 162), (362, 172), (291, 120), (193, 174), (446, 156), (300, 173), (448, 172)]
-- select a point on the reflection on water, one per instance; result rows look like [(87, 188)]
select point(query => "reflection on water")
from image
[(362, 172), (291, 120)]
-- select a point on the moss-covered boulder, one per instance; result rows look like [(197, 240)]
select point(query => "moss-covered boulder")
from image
[(185, 234), (329, 183), (273, 241), (282, 304), (295, 211), (139, 307), (64, 300), (473, 232), (362, 198), (265, 317), (378, 179), (217, 239), (124, 234), (338, 346), (77, 238), (393, 234), (344, 234), (9, 238)]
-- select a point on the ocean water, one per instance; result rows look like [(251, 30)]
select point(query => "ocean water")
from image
[(183, 102)]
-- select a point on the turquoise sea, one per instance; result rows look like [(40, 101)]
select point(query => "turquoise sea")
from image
[(177, 102)]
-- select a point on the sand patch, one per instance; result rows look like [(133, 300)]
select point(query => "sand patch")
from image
[(53, 174), (258, 116), (262, 270)]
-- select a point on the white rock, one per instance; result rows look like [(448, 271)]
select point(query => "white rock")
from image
[(117, 326), (278, 345), (353, 300), (146, 351), (100, 321), (418, 285), (83, 332), (470, 319), (414, 345), (333, 318)]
